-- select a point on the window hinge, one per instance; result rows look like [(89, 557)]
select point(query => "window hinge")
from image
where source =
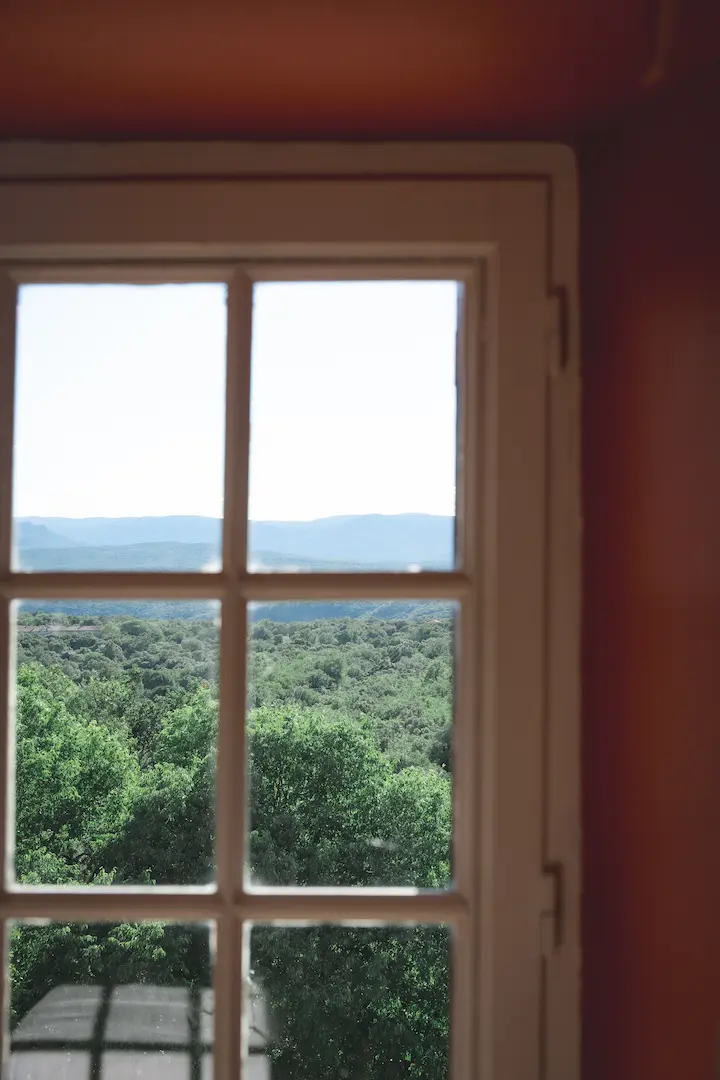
[(557, 332), (552, 908)]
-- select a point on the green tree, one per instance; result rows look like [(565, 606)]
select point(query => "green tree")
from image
[(76, 779), (328, 808), (117, 729), (104, 955), (357, 1003), (169, 835)]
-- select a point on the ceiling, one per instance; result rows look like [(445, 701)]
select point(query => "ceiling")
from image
[(338, 68)]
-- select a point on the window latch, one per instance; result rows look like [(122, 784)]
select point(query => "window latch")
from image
[(552, 908), (557, 332)]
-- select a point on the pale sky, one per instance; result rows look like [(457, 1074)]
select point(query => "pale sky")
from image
[(120, 400)]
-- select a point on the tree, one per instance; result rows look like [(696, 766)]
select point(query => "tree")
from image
[(75, 782), (328, 808), (115, 782), (169, 835), (104, 954), (81, 797), (358, 1003)]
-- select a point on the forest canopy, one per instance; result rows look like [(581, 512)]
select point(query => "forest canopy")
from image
[(350, 784)]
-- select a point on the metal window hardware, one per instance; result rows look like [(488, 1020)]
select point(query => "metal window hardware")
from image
[(552, 908)]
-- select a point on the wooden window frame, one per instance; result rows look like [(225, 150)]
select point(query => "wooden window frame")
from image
[(503, 220)]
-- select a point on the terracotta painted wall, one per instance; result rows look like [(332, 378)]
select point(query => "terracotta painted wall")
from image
[(651, 313)]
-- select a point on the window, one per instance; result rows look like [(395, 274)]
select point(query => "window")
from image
[(289, 629)]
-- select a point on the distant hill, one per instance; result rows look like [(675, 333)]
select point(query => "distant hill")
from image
[(307, 611), (340, 544), (31, 537), (161, 556), (279, 612), (164, 556), (103, 532), (391, 542)]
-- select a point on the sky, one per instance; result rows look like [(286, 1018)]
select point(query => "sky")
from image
[(120, 400)]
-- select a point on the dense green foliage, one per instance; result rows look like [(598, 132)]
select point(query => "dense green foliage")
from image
[(348, 738), (394, 674), (356, 1003)]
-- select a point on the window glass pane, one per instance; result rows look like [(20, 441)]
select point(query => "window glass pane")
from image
[(119, 427), (360, 1003), (352, 457), (350, 708), (116, 721), (110, 1000)]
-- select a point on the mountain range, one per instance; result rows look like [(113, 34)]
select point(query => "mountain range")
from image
[(185, 543), (391, 542)]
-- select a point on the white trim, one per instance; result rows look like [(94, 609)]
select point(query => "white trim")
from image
[(104, 585), (42, 160), (513, 207), (230, 798), (264, 905), (8, 307), (170, 273)]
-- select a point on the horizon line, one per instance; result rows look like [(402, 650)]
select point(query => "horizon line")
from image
[(210, 517)]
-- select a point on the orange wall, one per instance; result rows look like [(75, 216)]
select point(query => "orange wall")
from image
[(651, 314)]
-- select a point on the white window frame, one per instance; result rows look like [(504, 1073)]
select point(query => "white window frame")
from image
[(502, 218)]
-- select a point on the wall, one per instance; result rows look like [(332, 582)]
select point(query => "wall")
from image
[(651, 315)]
